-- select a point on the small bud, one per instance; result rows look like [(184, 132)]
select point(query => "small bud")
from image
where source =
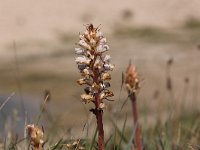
[(85, 72), (81, 81), (106, 76), (106, 85), (81, 66), (88, 90)]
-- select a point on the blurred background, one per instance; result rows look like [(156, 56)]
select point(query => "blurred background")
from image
[(37, 41)]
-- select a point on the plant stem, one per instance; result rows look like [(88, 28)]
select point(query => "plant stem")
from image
[(99, 114), (135, 119)]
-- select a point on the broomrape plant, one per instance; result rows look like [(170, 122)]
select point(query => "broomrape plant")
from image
[(94, 66), (133, 84)]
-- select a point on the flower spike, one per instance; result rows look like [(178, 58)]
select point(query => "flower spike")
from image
[(94, 66)]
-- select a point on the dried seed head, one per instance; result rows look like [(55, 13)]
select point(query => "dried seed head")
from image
[(36, 135), (75, 145), (132, 80)]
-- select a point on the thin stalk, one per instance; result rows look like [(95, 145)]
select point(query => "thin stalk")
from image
[(135, 119)]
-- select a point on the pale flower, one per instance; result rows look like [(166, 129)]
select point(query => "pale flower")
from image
[(99, 35), (87, 98), (107, 58), (79, 51), (82, 60), (83, 44), (108, 67), (103, 41), (102, 48)]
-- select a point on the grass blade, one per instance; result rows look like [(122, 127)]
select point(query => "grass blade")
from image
[(4, 103), (42, 109), (56, 146), (118, 131), (123, 129), (131, 138), (93, 140)]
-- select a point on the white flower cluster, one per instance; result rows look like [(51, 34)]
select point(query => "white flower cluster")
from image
[(93, 65)]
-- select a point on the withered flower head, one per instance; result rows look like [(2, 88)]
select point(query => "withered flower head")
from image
[(132, 80), (36, 135), (75, 145), (93, 64)]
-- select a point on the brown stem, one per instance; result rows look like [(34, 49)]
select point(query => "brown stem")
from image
[(39, 147), (99, 113), (135, 119), (99, 116)]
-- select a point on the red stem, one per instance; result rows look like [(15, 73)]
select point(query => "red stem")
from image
[(136, 124), (99, 114)]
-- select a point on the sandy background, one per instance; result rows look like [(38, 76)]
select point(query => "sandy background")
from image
[(35, 19)]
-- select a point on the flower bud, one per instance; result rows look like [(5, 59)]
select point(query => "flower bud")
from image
[(106, 76)]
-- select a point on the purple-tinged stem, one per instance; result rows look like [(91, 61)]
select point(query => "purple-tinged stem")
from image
[(135, 119), (99, 114)]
